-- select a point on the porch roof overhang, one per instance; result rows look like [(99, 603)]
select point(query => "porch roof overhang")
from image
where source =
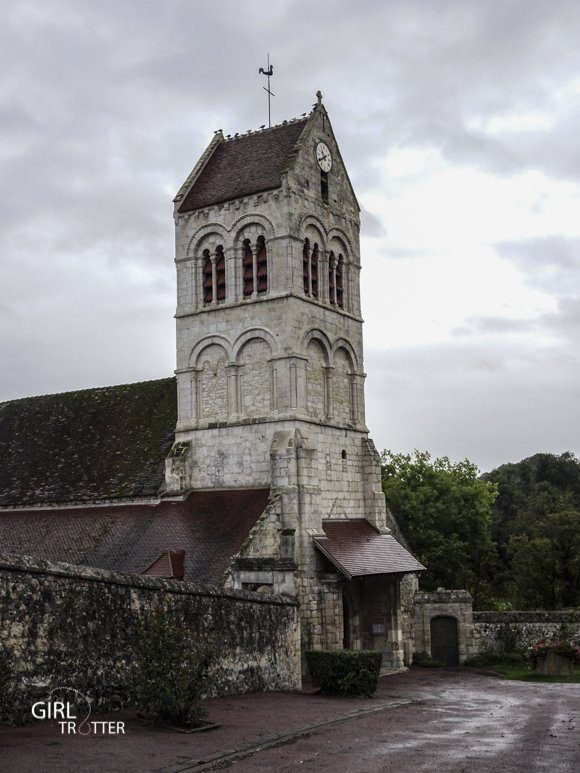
[(356, 548)]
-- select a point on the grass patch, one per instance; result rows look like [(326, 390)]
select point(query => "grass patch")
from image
[(519, 669)]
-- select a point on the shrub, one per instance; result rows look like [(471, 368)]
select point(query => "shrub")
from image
[(490, 658), (559, 646), (508, 637), (6, 687), (344, 672), (424, 660), (170, 671)]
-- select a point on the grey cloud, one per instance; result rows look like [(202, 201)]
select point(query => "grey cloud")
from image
[(494, 325), (471, 401), (106, 106), (550, 263)]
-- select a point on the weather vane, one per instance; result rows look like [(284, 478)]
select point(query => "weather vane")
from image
[(269, 71)]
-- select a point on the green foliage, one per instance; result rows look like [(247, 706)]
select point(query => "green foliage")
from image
[(424, 660), (529, 492), (344, 672), (444, 510), (558, 646), (545, 563), (491, 658), (170, 671)]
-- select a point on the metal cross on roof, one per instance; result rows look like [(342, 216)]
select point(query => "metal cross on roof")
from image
[(269, 71)]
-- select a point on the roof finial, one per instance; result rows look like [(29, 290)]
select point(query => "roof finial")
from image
[(319, 96)]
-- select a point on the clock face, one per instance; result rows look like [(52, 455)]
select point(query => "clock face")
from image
[(323, 157)]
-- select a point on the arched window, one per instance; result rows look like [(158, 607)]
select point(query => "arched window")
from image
[(207, 277), (261, 265), (306, 265), (248, 268), (340, 282), (220, 273), (314, 270), (332, 278)]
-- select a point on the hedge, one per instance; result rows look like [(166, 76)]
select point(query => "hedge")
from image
[(344, 672)]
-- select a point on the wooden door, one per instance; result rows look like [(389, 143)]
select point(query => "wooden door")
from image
[(445, 640)]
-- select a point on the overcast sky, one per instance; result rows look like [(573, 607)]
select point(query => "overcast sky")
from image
[(459, 123)]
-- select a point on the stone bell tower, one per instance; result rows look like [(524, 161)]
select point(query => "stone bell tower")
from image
[(269, 354)]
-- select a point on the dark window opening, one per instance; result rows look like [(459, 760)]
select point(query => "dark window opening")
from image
[(261, 265), (306, 266), (324, 186), (207, 278), (314, 270), (340, 283), (248, 266), (220, 273), (343, 455)]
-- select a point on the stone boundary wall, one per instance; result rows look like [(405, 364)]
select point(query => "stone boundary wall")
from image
[(522, 629), (64, 625)]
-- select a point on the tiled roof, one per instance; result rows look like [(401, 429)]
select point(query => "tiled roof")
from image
[(209, 525), (106, 443), (356, 548), (244, 165)]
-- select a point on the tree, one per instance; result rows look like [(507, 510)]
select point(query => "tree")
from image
[(444, 510), (546, 563), (529, 491)]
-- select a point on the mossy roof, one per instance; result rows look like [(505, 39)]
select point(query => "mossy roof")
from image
[(93, 444), (210, 526), (244, 165)]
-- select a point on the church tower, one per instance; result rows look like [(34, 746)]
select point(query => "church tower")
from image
[(270, 373)]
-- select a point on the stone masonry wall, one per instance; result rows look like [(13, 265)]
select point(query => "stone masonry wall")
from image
[(456, 604), (63, 625), (492, 629)]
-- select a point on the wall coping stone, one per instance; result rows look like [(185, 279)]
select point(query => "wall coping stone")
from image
[(29, 565), (531, 616), (442, 597)]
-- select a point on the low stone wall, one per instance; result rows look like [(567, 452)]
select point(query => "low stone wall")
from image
[(493, 630), (70, 625)]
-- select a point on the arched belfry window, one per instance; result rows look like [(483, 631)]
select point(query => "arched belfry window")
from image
[(220, 273), (314, 270), (306, 265), (254, 267), (213, 275), (248, 268), (261, 265), (340, 282), (207, 274), (310, 268)]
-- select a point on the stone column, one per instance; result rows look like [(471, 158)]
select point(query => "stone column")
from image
[(395, 633), (213, 280), (329, 396), (231, 275), (233, 390)]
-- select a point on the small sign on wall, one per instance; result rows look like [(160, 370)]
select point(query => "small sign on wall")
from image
[(378, 627)]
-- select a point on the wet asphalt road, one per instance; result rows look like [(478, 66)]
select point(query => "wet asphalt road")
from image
[(465, 724), (422, 720)]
